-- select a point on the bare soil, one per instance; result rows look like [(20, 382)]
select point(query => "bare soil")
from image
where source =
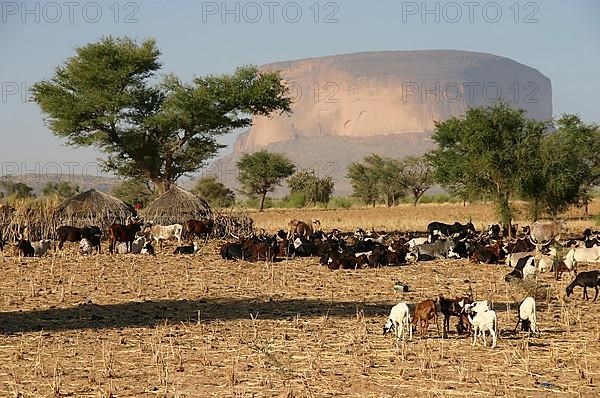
[(198, 326)]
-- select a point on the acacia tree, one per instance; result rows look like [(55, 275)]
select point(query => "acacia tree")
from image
[(416, 176), (135, 191), (315, 189), (214, 191), (261, 172), (563, 168), (377, 177), (110, 95), (487, 150)]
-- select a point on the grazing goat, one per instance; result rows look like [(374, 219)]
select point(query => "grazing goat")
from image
[(450, 308), (398, 320), (482, 321), (85, 247), (25, 249), (527, 316), (585, 280), (424, 312)]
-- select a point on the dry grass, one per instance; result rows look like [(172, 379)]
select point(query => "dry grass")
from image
[(132, 326), (406, 217)]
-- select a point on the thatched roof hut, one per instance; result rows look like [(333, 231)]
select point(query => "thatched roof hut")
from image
[(93, 208), (176, 206)]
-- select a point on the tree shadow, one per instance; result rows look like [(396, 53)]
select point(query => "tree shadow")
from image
[(152, 313)]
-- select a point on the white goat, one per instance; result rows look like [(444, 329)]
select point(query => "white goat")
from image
[(41, 248), (399, 319), (85, 247), (527, 315), (482, 322)]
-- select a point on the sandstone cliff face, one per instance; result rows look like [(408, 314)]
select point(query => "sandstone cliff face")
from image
[(384, 93)]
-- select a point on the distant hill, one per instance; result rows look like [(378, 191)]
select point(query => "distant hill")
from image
[(349, 106)]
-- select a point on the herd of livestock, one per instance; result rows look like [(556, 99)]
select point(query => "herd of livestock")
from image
[(527, 251)]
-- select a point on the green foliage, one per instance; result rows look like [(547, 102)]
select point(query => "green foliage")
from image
[(341, 203), (314, 189), (135, 192), (377, 178), (486, 153), (15, 190), (261, 172), (62, 189), (215, 192), (111, 96)]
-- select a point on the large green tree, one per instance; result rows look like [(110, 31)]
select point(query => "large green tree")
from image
[(315, 189), (261, 172), (375, 178), (110, 95), (487, 151), (563, 168), (215, 192), (135, 191)]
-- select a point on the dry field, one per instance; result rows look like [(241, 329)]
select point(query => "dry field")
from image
[(175, 326)]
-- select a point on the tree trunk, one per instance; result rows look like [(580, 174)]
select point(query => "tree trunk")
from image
[(262, 202)]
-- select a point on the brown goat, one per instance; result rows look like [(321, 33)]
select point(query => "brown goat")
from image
[(455, 308), (424, 312)]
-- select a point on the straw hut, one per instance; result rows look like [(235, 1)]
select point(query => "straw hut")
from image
[(176, 206), (93, 208)]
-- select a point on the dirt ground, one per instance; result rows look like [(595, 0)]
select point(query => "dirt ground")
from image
[(197, 326)]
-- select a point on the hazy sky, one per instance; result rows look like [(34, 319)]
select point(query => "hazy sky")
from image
[(559, 38)]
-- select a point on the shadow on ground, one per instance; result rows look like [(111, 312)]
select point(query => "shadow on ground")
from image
[(151, 313)]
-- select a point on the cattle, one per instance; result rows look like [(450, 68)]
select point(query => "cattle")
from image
[(437, 229), (74, 234), (160, 233), (519, 245), (25, 249), (123, 233), (42, 247), (199, 228), (234, 251), (545, 232), (494, 231), (456, 307), (488, 254), (437, 250), (299, 228), (581, 255)]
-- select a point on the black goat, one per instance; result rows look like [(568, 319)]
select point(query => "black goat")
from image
[(585, 280)]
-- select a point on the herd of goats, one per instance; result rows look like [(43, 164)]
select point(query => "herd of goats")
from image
[(527, 251)]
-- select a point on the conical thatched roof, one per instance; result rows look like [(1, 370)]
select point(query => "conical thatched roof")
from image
[(176, 206), (93, 208)]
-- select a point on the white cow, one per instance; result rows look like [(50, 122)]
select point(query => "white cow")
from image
[(582, 255), (160, 233)]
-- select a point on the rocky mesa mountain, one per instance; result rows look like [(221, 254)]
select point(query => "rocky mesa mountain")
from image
[(348, 106)]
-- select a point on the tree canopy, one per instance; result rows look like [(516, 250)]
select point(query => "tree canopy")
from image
[(14, 190), (315, 189), (110, 95), (377, 178), (215, 192), (261, 172)]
